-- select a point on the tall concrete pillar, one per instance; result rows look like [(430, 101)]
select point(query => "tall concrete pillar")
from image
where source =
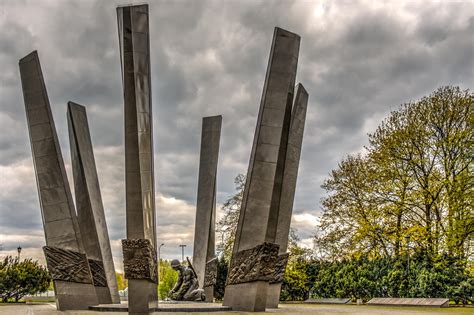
[(287, 196), (64, 251), (139, 249), (254, 252), (90, 210), (204, 257)]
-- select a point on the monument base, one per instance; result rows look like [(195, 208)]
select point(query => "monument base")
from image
[(249, 296), (74, 296), (209, 292), (142, 296), (103, 295), (273, 295), (167, 306)]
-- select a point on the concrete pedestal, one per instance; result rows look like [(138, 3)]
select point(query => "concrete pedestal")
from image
[(250, 296), (273, 295)]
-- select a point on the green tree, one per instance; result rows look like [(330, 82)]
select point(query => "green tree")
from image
[(227, 225), (122, 283), (20, 278), (167, 279), (413, 190)]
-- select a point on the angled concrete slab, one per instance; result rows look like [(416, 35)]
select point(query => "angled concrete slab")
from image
[(140, 246), (90, 210), (255, 236), (281, 221), (204, 261), (425, 302), (64, 250)]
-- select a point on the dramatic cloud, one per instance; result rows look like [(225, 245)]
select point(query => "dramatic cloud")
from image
[(358, 60)]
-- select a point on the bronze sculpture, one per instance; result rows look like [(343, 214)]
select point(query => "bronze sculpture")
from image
[(187, 286)]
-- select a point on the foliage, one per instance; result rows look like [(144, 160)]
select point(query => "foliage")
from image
[(167, 278), (122, 283), (443, 277), (20, 278), (219, 288), (227, 225), (413, 189)]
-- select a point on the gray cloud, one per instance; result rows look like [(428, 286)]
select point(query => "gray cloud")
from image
[(358, 60)]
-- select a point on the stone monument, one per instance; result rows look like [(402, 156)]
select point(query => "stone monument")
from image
[(281, 222), (65, 255), (139, 249), (254, 252), (204, 257), (90, 211)]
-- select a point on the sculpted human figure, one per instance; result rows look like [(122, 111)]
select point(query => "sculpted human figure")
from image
[(187, 286)]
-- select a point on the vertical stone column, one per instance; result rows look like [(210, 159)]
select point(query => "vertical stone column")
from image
[(204, 257), (254, 252), (139, 249), (64, 250), (90, 210), (285, 206)]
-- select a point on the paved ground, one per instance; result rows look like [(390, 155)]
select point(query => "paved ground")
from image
[(293, 309)]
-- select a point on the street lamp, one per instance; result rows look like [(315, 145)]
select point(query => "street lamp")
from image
[(159, 263), (19, 252), (182, 251)]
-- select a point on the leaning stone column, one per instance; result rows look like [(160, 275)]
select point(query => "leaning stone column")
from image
[(285, 206), (65, 256), (204, 257), (139, 249), (90, 211), (254, 252)]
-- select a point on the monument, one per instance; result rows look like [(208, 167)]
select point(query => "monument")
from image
[(255, 253), (64, 251), (204, 257), (281, 222), (90, 210), (139, 249)]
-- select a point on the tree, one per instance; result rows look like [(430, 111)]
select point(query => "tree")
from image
[(18, 279), (168, 278), (122, 283), (413, 188), (227, 225)]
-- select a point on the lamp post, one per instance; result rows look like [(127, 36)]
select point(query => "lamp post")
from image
[(19, 252), (182, 251), (159, 262)]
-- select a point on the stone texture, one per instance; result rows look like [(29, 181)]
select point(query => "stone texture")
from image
[(67, 265), (59, 218), (283, 206), (265, 173), (90, 210), (280, 266), (427, 302), (204, 233), (98, 273), (255, 264), (133, 28), (211, 273), (139, 260)]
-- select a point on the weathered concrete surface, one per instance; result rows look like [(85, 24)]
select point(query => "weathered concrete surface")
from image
[(427, 302), (168, 306), (90, 210), (328, 301), (139, 179), (264, 175), (204, 231), (59, 218), (279, 224), (287, 309)]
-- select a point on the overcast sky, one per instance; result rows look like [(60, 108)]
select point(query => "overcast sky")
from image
[(358, 60)]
